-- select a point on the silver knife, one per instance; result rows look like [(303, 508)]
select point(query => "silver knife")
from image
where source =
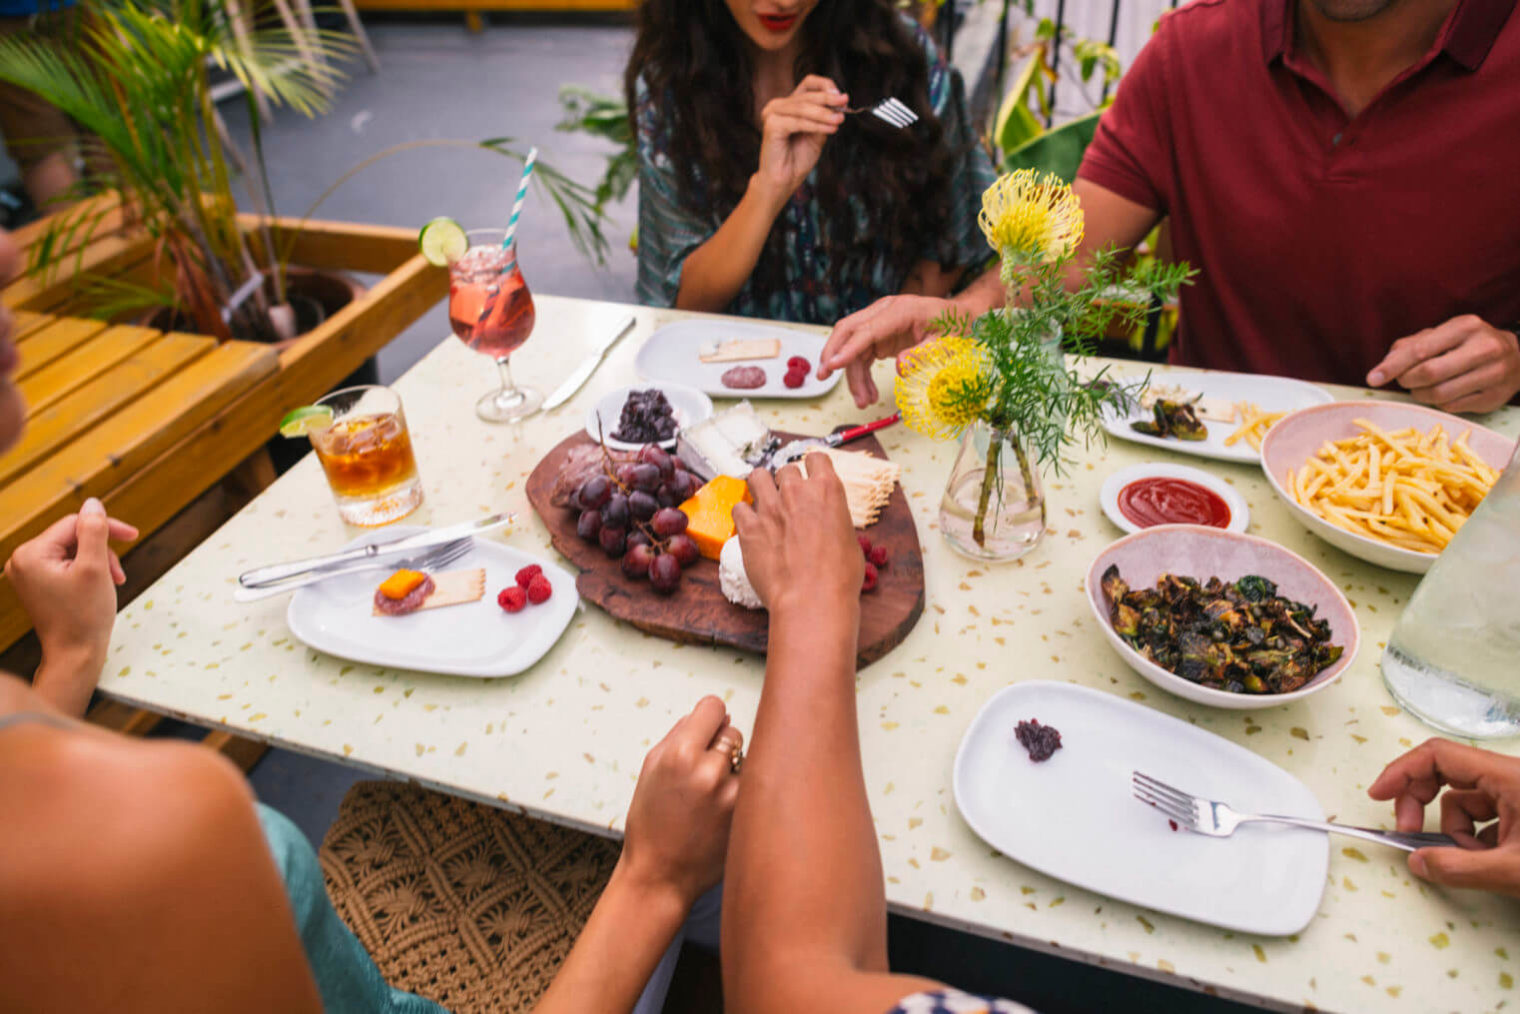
[(261, 577), (583, 372)]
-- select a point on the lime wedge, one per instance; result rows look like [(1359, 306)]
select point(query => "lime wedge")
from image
[(443, 241), (306, 420)]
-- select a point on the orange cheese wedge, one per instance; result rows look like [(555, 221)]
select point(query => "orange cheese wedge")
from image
[(400, 584), (710, 513)]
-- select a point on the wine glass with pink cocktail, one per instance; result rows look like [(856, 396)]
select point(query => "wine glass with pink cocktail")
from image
[(491, 310)]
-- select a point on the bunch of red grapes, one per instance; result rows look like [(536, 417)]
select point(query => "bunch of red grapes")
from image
[(630, 510)]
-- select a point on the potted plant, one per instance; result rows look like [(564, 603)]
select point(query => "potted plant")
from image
[(137, 80), (1000, 383)]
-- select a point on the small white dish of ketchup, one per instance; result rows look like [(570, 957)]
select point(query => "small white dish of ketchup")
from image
[(1158, 493)]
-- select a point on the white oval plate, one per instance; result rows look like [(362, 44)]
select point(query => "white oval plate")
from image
[(1108, 496), (671, 354), (689, 405), (473, 639), (1074, 818), (1270, 394)]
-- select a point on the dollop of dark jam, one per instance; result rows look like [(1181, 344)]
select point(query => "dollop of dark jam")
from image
[(1040, 740)]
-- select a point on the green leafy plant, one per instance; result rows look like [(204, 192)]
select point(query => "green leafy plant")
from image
[(137, 80), (606, 117)]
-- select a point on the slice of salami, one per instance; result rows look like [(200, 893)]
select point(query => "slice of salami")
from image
[(408, 603), (744, 378)]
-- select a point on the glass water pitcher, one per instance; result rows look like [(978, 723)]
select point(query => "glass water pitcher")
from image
[(1454, 658)]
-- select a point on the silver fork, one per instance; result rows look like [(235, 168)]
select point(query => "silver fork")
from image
[(891, 111), (431, 559), (1219, 821)]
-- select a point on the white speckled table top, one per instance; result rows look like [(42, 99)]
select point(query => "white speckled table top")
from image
[(565, 739)]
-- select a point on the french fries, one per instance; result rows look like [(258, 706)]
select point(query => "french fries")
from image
[(1254, 424), (1407, 489)]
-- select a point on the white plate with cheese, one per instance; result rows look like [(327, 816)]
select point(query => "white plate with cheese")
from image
[(1216, 398), (476, 638), (699, 352)]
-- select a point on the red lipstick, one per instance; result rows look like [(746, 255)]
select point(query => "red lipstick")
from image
[(778, 23)]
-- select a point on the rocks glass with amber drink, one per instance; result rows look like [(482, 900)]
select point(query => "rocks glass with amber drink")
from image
[(491, 311), (367, 455)]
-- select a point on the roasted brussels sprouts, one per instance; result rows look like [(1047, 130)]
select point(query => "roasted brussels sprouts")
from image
[(1241, 636)]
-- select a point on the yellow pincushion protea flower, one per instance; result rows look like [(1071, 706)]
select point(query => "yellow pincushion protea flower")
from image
[(1031, 217), (943, 386)]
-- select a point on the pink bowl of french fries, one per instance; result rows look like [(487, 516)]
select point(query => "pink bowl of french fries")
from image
[(1387, 482)]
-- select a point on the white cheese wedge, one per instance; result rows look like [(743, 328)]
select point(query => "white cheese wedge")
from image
[(1215, 409), (724, 444)]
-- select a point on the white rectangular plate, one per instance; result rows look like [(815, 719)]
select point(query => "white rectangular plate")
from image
[(474, 639), (1074, 817), (1270, 394), (673, 354)]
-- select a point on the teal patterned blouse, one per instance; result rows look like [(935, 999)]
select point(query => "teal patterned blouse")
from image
[(815, 291)]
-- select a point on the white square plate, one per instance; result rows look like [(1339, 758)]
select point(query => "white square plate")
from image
[(1074, 818), (673, 353), (1270, 394), (473, 639)]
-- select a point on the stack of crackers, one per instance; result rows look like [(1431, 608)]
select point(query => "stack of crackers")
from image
[(868, 482)]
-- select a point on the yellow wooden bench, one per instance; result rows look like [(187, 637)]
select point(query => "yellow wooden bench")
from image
[(151, 422)]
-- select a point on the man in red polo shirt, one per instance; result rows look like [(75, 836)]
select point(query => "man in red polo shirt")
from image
[(1345, 174)]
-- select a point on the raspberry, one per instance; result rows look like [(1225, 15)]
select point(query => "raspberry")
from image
[(512, 599), (877, 555), (527, 574), (870, 581), (797, 364), (794, 379), (865, 542), (539, 589)]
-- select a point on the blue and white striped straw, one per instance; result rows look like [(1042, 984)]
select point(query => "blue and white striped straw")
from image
[(522, 195)]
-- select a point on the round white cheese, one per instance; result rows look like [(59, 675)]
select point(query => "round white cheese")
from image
[(732, 579)]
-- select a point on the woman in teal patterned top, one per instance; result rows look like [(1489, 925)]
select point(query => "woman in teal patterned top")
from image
[(759, 195)]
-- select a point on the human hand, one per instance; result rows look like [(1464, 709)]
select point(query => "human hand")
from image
[(798, 541), (65, 579), (886, 328), (677, 827), (793, 131), (1482, 787), (1463, 365)]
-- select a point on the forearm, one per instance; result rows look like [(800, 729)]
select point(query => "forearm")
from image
[(803, 867), (983, 294), (628, 932), (67, 677), (714, 272), (928, 279)]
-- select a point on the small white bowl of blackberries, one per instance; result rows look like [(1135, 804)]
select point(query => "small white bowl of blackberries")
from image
[(632, 417)]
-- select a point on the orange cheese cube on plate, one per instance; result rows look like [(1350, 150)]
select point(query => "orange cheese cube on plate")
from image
[(710, 513), (400, 584)]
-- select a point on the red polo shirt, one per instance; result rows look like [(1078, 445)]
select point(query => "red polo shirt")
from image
[(1321, 239)]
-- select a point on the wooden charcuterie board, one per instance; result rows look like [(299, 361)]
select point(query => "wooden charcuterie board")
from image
[(698, 613)]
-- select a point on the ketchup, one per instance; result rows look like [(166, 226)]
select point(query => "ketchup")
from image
[(1163, 501)]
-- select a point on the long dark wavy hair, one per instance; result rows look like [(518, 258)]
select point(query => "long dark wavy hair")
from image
[(696, 67)]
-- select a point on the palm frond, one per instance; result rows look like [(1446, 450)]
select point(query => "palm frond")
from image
[(117, 298)]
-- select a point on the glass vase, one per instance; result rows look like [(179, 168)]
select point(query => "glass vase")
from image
[(994, 508)]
